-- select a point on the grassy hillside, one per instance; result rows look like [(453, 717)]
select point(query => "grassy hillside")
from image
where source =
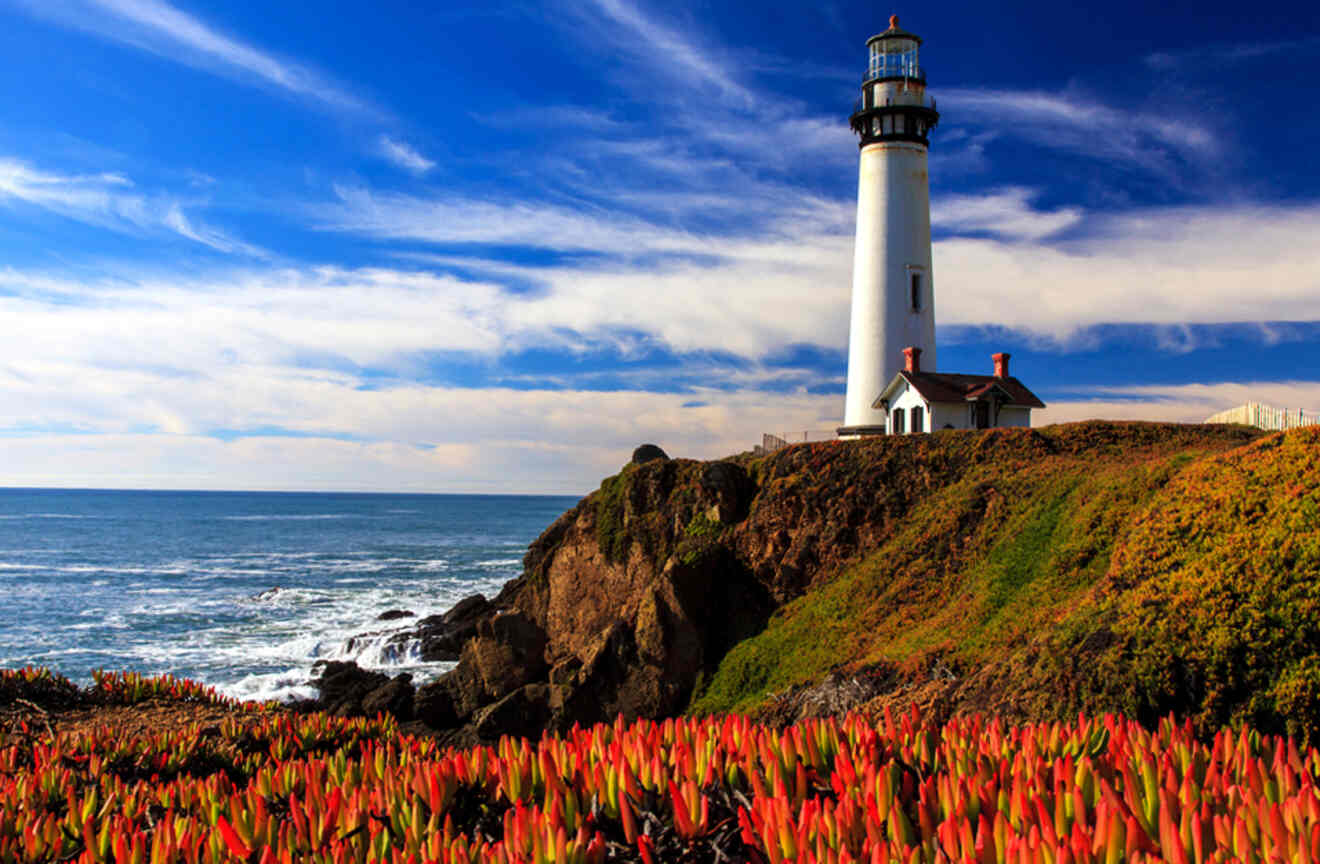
[(1145, 569)]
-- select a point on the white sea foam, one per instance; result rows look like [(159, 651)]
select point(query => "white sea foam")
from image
[(498, 562), (282, 686), (378, 650)]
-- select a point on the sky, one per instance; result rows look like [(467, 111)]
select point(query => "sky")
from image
[(492, 247)]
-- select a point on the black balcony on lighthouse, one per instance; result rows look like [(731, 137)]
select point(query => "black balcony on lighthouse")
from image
[(894, 105)]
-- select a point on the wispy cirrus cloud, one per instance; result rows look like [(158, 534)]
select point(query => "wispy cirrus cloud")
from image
[(111, 201), (646, 41), (1070, 122), (163, 29), (1211, 58), (404, 155)]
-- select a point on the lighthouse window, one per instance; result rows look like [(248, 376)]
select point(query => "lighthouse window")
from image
[(918, 419), (897, 425), (916, 292)]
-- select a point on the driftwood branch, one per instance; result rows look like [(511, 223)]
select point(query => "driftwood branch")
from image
[(45, 715)]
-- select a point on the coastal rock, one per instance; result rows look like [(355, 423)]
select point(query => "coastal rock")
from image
[(395, 614), (507, 653), (348, 690), (394, 697), (433, 705), (728, 491), (343, 685), (441, 637), (648, 453), (525, 712)]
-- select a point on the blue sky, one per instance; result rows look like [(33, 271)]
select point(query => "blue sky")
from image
[(492, 247)]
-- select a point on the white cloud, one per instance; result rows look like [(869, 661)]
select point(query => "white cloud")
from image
[(414, 438), (1176, 265), (270, 347), (403, 155), (160, 28), (666, 51), (1152, 142), (1005, 212), (456, 219), (108, 200), (790, 281)]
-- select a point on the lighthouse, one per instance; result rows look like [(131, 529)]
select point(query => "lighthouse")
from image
[(893, 292)]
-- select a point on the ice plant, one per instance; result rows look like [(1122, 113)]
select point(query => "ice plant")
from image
[(266, 787)]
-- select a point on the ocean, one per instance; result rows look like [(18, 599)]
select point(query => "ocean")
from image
[(245, 590)]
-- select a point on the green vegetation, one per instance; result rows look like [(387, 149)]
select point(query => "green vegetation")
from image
[(1149, 572), (1217, 590), (610, 516)]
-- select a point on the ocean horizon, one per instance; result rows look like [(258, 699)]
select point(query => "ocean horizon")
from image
[(243, 590)]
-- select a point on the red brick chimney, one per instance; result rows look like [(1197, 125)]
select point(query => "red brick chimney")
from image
[(913, 357), (1001, 364)]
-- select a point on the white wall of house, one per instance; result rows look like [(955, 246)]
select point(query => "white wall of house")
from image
[(950, 414), (1014, 415), (907, 399)]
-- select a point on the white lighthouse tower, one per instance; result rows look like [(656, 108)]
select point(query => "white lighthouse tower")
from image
[(893, 294)]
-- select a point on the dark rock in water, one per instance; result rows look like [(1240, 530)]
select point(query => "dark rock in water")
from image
[(433, 704), (442, 637), (268, 594), (648, 453), (395, 614), (395, 697), (348, 690), (507, 653), (343, 683)]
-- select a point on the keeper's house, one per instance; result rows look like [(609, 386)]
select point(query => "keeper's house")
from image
[(917, 401)]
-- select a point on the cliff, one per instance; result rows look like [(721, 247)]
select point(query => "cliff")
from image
[(1095, 566)]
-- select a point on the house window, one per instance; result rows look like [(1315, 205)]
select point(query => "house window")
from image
[(916, 291), (918, 419), (896, 427), (982, 410)]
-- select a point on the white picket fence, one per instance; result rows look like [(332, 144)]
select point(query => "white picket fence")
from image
[(1266, 417)]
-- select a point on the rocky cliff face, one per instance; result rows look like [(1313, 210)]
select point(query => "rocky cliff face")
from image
[(1029, 572), (630, 601)]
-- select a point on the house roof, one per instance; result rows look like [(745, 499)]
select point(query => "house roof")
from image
[(951, 387)]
